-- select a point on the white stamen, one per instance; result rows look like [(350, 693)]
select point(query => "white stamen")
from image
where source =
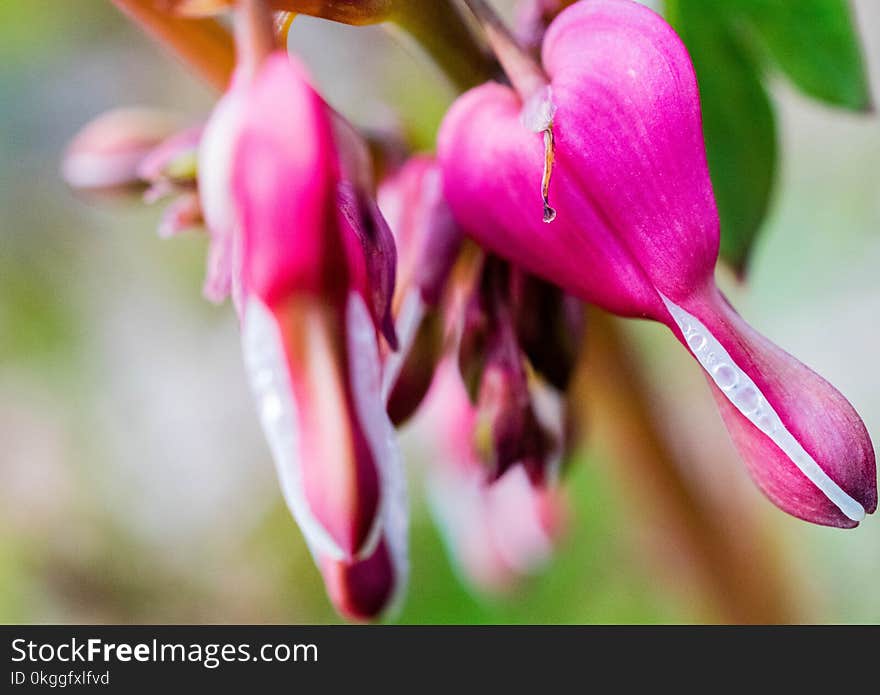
[(740, 390)]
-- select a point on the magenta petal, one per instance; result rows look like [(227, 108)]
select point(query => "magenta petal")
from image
[(285, 187), (630, 185), (361, 589), (491, 177)]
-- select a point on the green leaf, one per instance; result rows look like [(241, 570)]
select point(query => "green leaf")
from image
[(738, 124), (814, 43)]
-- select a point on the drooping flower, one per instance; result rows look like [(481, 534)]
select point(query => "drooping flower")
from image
[(299, 255), (508, 428), (636, 232), (498, 532)]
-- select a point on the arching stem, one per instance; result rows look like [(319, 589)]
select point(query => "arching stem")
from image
[(254, 34)]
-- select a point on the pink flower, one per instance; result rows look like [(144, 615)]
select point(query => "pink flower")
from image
[(301, 270), (106, 154), (497, 532), (636, 232), (508, 429)]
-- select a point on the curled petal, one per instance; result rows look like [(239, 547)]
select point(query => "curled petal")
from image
[(326, 463), (802, 441), (428, 242), (181, 214), (372, 254), (175, 159)]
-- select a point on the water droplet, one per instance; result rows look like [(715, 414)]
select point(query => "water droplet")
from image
[(271, 408), (766, 422), (263, 379), (725, 376), (696, 341), (747, 399)]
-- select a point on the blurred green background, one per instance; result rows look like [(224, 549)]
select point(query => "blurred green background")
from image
[(135, 485)]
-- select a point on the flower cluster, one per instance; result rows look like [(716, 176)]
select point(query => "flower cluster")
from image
[(364, 302)]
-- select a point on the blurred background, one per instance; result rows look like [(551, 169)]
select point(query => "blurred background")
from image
[(135, 485)]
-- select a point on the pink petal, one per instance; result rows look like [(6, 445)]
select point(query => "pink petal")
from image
[(107, 153)]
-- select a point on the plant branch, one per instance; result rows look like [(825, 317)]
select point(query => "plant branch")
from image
[(204, 44), (524, 72)]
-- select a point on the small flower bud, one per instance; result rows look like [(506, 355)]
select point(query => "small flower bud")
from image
[(105, 156)]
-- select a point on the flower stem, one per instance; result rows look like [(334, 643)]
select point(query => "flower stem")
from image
[(254, 34), (442, 32), (204, 44)]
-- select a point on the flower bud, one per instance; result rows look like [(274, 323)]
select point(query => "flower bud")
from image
[(173, 164), (105, 156)]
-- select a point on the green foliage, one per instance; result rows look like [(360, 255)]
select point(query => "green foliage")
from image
[(813, 42)]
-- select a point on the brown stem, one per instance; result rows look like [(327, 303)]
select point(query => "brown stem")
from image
[(440, 29), (436, 25), (732, 564), (525, 74), (254, 34), (203, 44)]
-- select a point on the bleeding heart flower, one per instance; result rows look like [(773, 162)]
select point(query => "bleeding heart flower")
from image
[(636, 232), (270, 177)]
